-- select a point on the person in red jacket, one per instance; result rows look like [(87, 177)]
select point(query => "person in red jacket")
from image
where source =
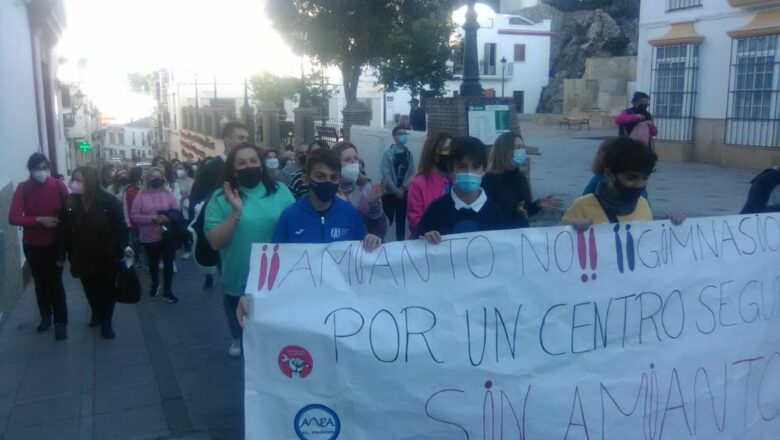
[(36, 207)]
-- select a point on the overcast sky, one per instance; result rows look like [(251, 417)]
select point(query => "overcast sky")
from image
[(231, 39)]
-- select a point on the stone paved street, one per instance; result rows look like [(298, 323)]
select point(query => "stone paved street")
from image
[(167, 374)]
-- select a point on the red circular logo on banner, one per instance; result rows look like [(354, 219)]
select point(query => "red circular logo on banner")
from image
[(295, 362)]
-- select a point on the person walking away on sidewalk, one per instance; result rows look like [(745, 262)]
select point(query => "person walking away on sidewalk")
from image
[(359, 191), (243, 212), (467, 208), (207, 180), (35, 207), (432, 178), (148, 208), (509, 187), (628, 165), (636, 122), (94, 239), (397, 173), (320, 217)]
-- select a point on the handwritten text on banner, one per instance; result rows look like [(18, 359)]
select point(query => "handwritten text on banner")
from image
[(632, 331)]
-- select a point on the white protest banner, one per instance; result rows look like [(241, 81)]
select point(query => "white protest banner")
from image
[(630, 331)]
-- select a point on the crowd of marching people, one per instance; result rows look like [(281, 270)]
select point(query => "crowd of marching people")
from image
[(314, 193)]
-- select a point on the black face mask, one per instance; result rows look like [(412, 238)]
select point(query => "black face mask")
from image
[(122, 181), (627, 195), (157, 183), (642, 108), (324, 191), (301, 159), (250, 177)]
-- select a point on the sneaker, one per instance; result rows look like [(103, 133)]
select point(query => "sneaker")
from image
[(186, 256), (60, 332), (170, 298), (154, 292), (235, 348), (44, 325)]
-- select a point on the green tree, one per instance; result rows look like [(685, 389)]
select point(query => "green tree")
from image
[(349, 34), (273, 89), (419, 50), (141, 83)]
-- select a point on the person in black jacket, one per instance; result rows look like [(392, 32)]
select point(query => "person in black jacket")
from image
[(208, 179), (509, 187), (94, 238), (764, 195)]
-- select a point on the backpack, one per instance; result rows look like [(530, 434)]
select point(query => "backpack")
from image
[(204, 255), (641, 132)]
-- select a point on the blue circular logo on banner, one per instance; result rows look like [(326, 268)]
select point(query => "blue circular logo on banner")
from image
[(317, 422)]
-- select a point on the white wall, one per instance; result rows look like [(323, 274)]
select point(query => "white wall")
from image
[(530, 75), (18, 114), (713, 21)]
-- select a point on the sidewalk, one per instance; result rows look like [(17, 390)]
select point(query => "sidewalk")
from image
[(696, 189), (166, 375)]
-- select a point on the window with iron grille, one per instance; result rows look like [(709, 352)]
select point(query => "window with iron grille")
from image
[(753, 117), (674, 91), (675, 5)]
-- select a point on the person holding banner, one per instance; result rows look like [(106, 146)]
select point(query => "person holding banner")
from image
[(244, 211), (509, 187), (431, 180), (628, 165), (358, 190), (467, 207), (320, 216)]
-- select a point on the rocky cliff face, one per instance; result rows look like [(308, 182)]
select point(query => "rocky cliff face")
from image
[(578, 35)]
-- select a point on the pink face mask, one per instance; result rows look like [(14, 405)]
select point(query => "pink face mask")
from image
[(76, 188)]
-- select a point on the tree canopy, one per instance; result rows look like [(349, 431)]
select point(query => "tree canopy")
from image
[(419, 50), (351, 34), (273, 89)]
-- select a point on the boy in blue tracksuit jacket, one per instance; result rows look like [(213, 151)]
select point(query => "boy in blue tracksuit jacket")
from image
[(320, 216), (302, 223)]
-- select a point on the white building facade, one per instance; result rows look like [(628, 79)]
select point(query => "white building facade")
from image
[(522, 45), (30, 116), (129, 143), (514, 58), (713, 71)]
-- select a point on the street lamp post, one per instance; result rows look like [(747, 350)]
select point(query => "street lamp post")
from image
[(302, 36), (503, 74), (470, 86)]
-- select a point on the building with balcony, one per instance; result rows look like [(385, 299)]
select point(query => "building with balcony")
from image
[(130, 143), (514, 56), (189, 115), (82, 121), (30, 116), (713, 71)]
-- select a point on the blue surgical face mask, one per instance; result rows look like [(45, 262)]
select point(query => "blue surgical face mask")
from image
[(403, 139), (468, 182), (519, 157)]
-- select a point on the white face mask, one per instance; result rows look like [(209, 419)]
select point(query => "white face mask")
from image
[(180, 173), (40, 175), (350, 173), (272, 164)]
